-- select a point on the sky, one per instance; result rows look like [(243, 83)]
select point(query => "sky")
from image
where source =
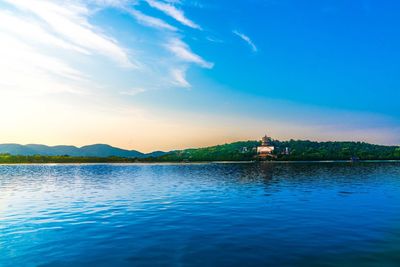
[(173, 74)]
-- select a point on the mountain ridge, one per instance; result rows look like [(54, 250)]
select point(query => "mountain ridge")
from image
[(292, 150), (94, 150)]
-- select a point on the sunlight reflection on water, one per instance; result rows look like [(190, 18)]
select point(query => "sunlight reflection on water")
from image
[(304, 214)]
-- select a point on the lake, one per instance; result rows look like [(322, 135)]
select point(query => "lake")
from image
[(216, 214)]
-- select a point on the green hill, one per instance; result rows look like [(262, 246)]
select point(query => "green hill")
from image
[(97, 150), (299, 150), (238, 151), (309, 150)]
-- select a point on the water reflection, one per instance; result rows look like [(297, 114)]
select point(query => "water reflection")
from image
[(282, 214)]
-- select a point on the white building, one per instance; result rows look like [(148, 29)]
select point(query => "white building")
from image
[(266, 149)]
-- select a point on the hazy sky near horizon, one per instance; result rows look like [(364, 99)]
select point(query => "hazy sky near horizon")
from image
[(171, 74)]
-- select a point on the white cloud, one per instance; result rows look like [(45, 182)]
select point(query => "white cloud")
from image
[(151, 21), (247, 40), (179, 77), (26, 71), (183, 52), (133, 91), (53, 46), (29, 30), (113, 3), (70, 20), (36, 42), (173, 12)]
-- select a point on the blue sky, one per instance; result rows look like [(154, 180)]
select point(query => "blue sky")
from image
[(194, 73)]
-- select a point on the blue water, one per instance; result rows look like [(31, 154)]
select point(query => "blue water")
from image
[(262, 214)]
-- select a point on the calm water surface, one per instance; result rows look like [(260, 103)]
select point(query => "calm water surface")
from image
[(302, 214)]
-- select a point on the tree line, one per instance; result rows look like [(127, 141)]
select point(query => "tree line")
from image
[(239, 151)]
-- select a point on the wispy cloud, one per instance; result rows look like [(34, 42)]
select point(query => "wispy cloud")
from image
[(183, 52), (247, 40), (70, 20), (214, 40), (133, 91), (29, 29), (55, 44), (40, 40), (25, 70), (179, 77), (173, 12), (151, 21), (113, 3)]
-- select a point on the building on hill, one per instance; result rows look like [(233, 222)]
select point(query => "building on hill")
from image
[(266, 149)]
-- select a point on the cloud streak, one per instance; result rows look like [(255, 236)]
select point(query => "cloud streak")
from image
[(182, 51), (246, 39), (133, 91), (173, 12), (70, 20), (41, 74), (179, 76), (55, 45), (151, 21), (29, 30)]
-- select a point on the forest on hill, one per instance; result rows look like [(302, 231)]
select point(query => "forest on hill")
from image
[(239, 151), (298, 151)]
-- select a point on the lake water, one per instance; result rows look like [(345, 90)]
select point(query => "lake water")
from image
[(249, 214)]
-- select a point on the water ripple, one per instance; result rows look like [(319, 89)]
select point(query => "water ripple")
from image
[(302, 214)]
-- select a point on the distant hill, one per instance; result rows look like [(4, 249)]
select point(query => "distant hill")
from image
[(97, 150), (311, 150), (299, 150), (239, 151)]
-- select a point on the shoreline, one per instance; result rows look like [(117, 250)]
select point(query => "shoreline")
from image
[(204, 162)]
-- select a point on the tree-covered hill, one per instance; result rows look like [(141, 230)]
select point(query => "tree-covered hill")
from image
[(39, 159), (238, 151), (97, 150), (309, 150), (298, 150)]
